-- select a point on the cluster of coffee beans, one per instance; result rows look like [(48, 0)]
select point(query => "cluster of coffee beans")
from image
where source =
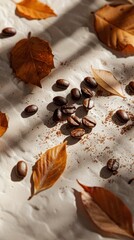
[(8, 32), (69, 110)]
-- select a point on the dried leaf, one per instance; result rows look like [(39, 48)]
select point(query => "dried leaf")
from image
[(107, 211), (33, 9), (107, 81), (3, 123), (49, 168), (32, 60), (114, 25)]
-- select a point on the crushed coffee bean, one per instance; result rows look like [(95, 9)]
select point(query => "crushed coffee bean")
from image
[(113, 165)]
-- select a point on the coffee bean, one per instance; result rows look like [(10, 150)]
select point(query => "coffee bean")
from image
[(60, 101), (75, 94), (131, 86), (113, 165), (91, 82), (31, 109), (87, 92), (62, 83), (88, 122), (57, 115), (77, 133), (8, 32), (88, 103), (74, 120), (122, 116), (21, 169), (68, 109)]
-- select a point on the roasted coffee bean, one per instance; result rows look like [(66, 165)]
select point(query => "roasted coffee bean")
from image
[(74, 120), (88, 103), (57, 115), (122, 116), (91, 82), (68, 109), (21, 169), (31, 109), (88, 122), (131, 86), (62, 83), (8, 32), (113, 165), (60, 101), (75, 94), (87, 92), (77, 133)]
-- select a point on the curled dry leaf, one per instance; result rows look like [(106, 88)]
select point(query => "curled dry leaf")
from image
[(32, 60), (33, 9), (107, 211), (114, 25), (48, 168), (107, 81), (3, 123)]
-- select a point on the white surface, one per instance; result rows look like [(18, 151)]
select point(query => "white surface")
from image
[(53, 214)]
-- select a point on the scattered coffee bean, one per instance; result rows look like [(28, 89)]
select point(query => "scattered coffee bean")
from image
[(87, 92), (122, 116), (21, 169), (68, 109), (88, 122), (131, 86), (77, 133), (113, 165), (62, 83), (57, 115), (31, 109), (75, 94), (8, 32), (91, 82), (88, 103), (60, 101), (74, 120)]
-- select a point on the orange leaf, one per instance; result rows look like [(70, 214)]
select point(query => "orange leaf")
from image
[(33, 9), (3, 123), (115, 27), (107, 211), (107, 81), (48, 168), (32, 60)]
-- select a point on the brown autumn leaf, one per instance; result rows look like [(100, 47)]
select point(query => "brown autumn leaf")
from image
[(107, 81), (32, 59), (107, 211), (33, 9), (3, 123), (114, 25), (48, 168)]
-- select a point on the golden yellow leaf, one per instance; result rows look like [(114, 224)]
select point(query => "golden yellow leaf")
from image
[(114, 25), (33, 9), (3, 123), (32, 59), (107, 81), (48, 168), (107, 211)]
